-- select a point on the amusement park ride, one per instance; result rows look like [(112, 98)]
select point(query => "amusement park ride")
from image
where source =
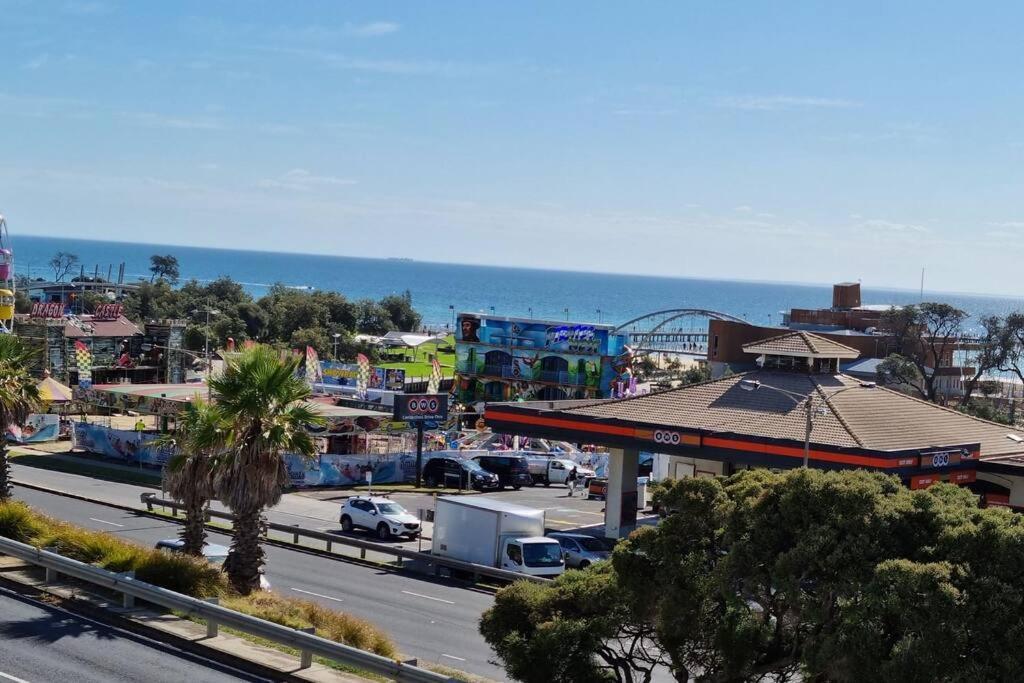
[(7, 283)]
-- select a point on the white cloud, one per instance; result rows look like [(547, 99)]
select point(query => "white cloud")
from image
[(880, 226), (37, 62), (154, 120), (278, 128), (782, 102), (373, 28), (395, 67), (301, 180), (641, 111)]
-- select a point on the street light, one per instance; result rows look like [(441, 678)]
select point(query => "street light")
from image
[(567, 314), (599, 320), (808, 401), (336, 335), (206, 340)]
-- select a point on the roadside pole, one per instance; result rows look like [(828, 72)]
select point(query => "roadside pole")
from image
[(419, 452)]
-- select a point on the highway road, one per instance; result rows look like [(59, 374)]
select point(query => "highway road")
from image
[(433, 620), (41, 643)]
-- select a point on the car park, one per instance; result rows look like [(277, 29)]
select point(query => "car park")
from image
[(512, 470), (456, 473), (212, 552), (580, 551), (380, 515)]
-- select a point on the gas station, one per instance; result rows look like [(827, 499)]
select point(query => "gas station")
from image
[(796, 410)]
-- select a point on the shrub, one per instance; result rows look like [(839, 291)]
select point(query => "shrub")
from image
[(18, 522), (336, 626)]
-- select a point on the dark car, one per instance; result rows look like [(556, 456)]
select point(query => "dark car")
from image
[(512, 470), (463, 474)]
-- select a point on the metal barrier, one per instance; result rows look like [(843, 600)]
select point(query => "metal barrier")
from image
[(476, 570), (307, 643)]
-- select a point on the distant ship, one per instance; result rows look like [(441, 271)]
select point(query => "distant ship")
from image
[(400, 259)]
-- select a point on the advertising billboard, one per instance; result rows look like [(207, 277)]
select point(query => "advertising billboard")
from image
[(347, 375), (421, 408)]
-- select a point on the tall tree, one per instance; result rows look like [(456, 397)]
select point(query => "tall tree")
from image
[(18, 397), (991, 350), (926, 335), (264, 401), (62, 262), (164, 267), (200, 436)]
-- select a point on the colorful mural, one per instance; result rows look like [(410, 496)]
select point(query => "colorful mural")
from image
[(501, 359), (38, 427)]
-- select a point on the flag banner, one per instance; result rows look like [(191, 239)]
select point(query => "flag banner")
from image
[(434, 384), (314, 374), (363, 383), (83, 359)]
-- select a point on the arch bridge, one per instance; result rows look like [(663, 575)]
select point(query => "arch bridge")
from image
[(672, 330)]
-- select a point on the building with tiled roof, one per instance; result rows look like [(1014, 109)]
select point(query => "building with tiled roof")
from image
[(783, 418)]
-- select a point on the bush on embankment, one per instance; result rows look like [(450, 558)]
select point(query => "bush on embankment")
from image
[(186, 575)]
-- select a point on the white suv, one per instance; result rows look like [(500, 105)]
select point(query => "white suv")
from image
[(381, 515)]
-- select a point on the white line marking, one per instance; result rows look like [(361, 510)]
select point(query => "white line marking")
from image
[(103, 521), (9, 677), (457, 659), (427, 597), (325, 597)]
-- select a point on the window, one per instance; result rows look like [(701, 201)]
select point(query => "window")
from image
[(568, 544), (515, 554), (543, 554)]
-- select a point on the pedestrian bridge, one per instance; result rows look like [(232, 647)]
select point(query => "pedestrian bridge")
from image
[(672, 330)]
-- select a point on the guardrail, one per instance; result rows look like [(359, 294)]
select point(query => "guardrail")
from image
[(307, 643), (476, 570)]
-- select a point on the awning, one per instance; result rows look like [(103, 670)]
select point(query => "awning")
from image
[(52, 391)]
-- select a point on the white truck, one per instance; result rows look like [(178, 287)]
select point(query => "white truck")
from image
[(547, 470), (496, 534)]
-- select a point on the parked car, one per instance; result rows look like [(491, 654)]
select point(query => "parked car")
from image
[(547, 470), (442, 472), (512, 470), (580, 551), (381, 515), (214, 554)]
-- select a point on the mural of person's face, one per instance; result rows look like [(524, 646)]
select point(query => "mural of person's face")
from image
[(469, 327)]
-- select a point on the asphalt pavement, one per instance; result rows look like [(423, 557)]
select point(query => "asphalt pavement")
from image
[(434, 620), (41, 643)]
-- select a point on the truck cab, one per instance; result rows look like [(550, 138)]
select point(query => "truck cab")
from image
[(535, 556)]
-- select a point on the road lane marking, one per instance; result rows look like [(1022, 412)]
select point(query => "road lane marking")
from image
[(325, 597), (457, 659), (427, 597), (103, 521), (9, 677)]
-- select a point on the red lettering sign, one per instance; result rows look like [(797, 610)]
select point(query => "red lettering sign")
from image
[(47, 309), (108, 312), (997, 500)]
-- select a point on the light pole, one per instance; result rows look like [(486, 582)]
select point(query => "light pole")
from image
[(798, 398), (451, 307), (336, 335), (599, 319), (567, 314), (530, 309), (206, 343)]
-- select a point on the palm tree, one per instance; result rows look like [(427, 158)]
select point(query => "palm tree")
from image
[(199, 437), (263, 400), (18, 397)]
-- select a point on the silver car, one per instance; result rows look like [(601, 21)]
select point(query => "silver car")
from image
[(580, 551)]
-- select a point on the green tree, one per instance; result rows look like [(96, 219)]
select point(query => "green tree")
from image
[(18, 398), (807, 575), (401, 313), (264, 401), (311, 336), (576, 630), (199, 437), (164, 267), (374, 318), (926, 335)]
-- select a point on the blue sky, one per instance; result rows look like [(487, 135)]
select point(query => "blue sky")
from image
[(777, 141)]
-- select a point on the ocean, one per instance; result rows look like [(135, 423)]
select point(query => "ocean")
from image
[(435, 287)]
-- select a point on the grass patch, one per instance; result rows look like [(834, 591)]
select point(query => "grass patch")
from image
[(87, 469), (187, 575)]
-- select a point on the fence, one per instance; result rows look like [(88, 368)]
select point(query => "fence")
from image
[(308, 644), (330, 540)]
